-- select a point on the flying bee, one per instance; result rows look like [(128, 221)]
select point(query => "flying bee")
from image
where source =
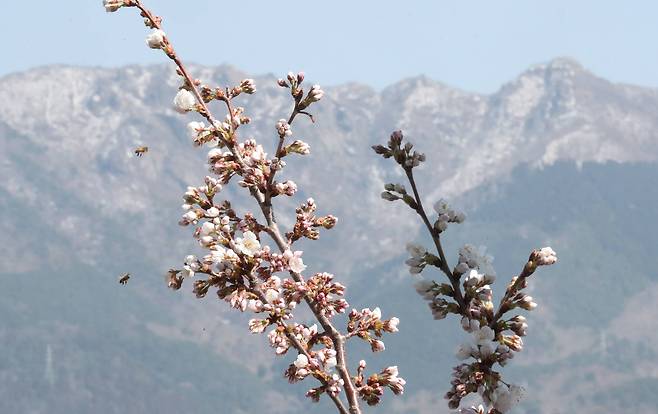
[(124, 279), (139, 151)]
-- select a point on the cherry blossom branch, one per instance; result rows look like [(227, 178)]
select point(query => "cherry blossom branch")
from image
[(336, 337), (474, 304), (234, 262), (543, 257), (256, 288), (264, 202), (156, 23)]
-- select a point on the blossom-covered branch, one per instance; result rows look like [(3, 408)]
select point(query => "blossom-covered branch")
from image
[(494, 336), (240, 266)]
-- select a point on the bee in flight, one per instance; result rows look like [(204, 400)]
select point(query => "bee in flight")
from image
[(139, 151), (124, 279)]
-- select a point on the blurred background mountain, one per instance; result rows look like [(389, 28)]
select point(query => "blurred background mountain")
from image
[(557, 157)]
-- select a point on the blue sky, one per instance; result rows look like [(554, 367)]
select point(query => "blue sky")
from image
[(475, 45)]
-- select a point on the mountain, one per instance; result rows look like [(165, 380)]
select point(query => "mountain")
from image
[(556, 157)]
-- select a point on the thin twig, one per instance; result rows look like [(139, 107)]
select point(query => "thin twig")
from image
[(437, 241), (277, 155)]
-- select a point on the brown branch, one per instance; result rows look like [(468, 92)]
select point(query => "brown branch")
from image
[(437, 242)]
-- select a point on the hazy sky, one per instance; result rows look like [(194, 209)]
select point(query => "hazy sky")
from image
[(475, 45)]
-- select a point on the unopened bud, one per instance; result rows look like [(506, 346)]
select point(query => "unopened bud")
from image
[(248, 86), (376, 345), (156, 39), (396, 137), (113, 5)]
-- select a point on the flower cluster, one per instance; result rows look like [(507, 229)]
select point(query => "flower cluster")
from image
[(485, 350), (432, 292), (476, 258), (418, 259), (248, 160), (282, 337), (498, 397), (288, 188), (302, 101), (323, 360), (307, 223), (446, 215), (368, 325), (293, 82), (495, 337), (371, 389), (247, 86), (325, 292), (239, 265), (401, 154), (283, 128)]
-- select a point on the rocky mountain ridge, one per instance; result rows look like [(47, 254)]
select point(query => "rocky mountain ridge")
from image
[(79, 209), (61, 121)]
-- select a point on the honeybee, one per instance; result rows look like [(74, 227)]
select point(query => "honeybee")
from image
[(139, 151), (124, 279)]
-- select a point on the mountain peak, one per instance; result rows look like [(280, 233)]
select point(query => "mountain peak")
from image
[(564, 63), (560, 73), (553, 111), (420, 82)]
